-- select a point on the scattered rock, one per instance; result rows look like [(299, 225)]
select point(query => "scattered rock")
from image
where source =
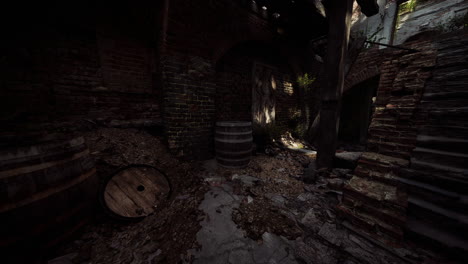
[(342, 173), (346, 160), (305, 196), (310, 220), (331, 234), (277, 199), (245, 179), (310, 174), (335, 183)]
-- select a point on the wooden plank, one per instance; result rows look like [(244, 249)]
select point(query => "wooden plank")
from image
[(122, 194), (118, 201), (134, 180), (42, 166), (48, 192), (159, 181), (129, 185)]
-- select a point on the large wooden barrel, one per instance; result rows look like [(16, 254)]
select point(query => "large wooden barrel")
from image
[(233, 143), (47, 189)]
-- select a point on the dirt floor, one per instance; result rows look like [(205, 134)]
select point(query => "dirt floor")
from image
[(264, 213)]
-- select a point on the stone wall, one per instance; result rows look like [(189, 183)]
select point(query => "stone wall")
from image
[(430, 16)]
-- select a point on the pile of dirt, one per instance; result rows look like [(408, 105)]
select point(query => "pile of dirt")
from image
[(259, 216), (278, 176), (163, 237), (114, 148)]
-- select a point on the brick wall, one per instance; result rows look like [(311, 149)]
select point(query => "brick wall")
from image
[(199, 33), (234, 82), (374, 199), (189, 104), (67, 70), (234, 89)]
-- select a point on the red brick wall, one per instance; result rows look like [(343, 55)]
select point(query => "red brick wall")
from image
[(198, 34), (68, 70)]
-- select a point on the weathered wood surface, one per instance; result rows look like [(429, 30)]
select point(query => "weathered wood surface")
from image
[(47, 190), (136, 191), (233, 142), (339, 16)]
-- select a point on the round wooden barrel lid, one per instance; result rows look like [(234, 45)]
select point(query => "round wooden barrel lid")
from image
[(136, 191)]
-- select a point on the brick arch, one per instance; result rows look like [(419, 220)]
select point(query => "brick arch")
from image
[(359, 76)]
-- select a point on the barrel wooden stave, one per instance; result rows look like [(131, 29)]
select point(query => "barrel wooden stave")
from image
[(46, 190), (233, 143)]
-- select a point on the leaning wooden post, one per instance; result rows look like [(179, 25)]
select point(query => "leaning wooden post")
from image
[(339, 16)]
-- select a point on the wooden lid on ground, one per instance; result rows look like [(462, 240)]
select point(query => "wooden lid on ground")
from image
[(136, 191)]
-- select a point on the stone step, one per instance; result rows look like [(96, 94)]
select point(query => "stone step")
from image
[(450, 220), (371, 225), (440, 189), (457, 113), (451, 131), (434, 236), (428, 166), (375, 193), (386, 215), (437, 96), (440, 157), (454, 182), (428, 104), (458, 145)]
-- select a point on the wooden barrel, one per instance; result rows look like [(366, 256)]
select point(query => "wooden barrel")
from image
[(47, 190), (233, 143)]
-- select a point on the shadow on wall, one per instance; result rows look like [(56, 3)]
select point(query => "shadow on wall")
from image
[(235, 78), (356, 111)]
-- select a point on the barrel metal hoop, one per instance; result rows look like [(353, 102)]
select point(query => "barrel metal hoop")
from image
[(234, 140), (233, 160), (236, 152), (234, 133), (233, 124)]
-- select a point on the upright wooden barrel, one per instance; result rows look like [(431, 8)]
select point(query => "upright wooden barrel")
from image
[(47, 189), (233, 143)]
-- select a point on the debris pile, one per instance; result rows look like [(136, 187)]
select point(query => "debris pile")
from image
[(158, 238)]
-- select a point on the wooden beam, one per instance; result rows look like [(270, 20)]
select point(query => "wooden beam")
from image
[(339, 16)]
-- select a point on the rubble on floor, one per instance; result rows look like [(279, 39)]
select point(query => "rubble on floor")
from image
[(264, 213), (158, 238)]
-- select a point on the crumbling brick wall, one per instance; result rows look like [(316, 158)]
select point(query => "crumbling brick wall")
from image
[(375, 200)]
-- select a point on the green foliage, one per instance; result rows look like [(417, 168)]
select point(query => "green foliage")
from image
[(296, 125), (408, 6), (305, 80), (373, 37)]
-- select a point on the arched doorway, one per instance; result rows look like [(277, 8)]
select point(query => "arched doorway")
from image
[(356, 111)]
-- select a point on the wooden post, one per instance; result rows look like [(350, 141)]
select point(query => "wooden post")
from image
[(339, 16)]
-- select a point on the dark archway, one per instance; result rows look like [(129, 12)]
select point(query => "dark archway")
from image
[(356, 111)]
